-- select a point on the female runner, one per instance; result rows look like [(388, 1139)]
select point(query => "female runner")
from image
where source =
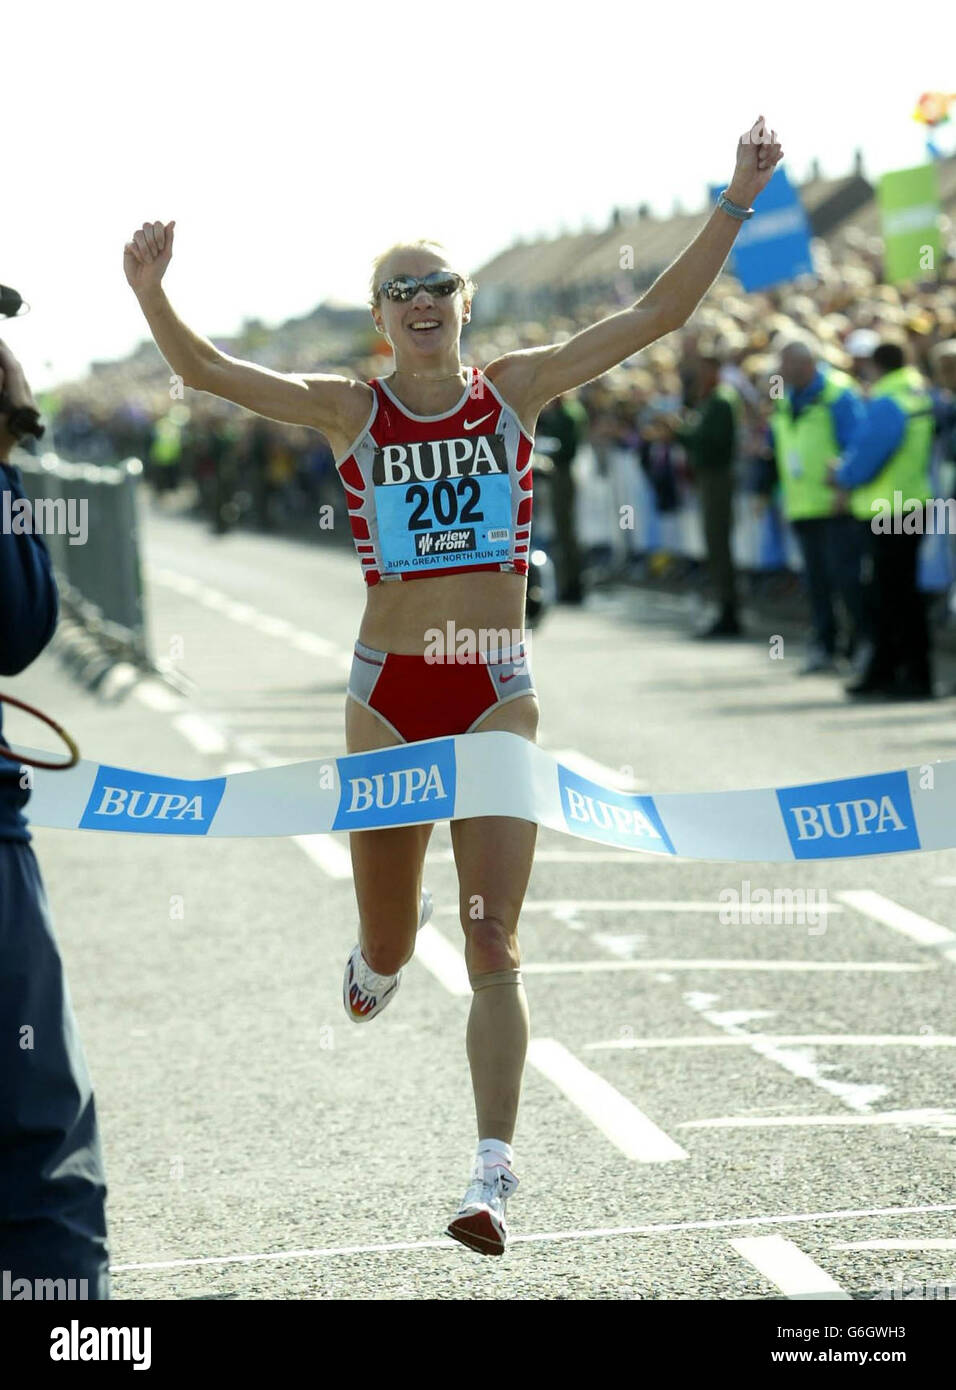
[(435, 460)]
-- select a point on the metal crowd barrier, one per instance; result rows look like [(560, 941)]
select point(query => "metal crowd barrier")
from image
[(99, 579)]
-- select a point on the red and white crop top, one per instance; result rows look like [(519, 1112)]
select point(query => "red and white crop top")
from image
[(440, 494)]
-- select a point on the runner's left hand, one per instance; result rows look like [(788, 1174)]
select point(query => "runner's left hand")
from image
[(758, 154)]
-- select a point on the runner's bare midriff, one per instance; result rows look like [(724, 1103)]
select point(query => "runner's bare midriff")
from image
[(398, 613)]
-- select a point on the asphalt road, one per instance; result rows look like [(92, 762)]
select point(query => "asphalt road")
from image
[(679, 1137)]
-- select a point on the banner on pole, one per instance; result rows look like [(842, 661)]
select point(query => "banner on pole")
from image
[(909, 209)]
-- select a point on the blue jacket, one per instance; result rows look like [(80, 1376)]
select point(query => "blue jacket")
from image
[(846, 411), (29, 608), (880, 436)]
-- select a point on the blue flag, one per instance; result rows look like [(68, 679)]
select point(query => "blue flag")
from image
[(774, 244)]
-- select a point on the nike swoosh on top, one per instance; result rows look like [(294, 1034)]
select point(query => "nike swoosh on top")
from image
[(470, 424)]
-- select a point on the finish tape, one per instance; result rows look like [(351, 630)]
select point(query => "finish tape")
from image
[(502, 774)]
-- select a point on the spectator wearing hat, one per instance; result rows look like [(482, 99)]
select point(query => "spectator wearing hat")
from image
[(891, 454), (860, 346), (819, 415)]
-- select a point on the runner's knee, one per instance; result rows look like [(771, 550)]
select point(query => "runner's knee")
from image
[(490, 946), (388, 945)]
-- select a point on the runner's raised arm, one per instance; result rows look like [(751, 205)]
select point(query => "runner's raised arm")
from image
[(533, 376), (321, 401)]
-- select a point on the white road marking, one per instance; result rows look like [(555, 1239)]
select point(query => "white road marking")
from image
[(624, 947), (269, 701), (298, 738), (445, 962), (297, 721), (576, 905), (572, 967), (788, 1268), (565, 856), (203, 736), (239, 612), (156, 696), (315, 645), (785, 1040), (930, 1243), (900, 919), (174, 580), (594, 771), (618, 1120), (800, 1063), (943, 1118), (249, 616), (327, 853), (272, 627), (222, 603), (540, 1237)]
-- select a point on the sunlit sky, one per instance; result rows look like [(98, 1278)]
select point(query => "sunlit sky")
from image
[(293, 141)]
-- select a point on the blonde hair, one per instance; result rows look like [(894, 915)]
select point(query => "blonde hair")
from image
[(422, 244)]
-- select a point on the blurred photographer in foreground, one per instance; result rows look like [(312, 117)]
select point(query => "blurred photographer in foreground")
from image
[(52, 1187)]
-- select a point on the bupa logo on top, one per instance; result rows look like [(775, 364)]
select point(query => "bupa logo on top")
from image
[(397, 786), (475, 455), (617, 818), (137, 801), (850, 817)]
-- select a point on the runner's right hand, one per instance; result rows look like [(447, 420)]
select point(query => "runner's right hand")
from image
[(147, 254)]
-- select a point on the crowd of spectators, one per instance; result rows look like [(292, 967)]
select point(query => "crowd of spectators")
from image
[(241, 470)]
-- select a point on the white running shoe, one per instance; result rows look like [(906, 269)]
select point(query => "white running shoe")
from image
[(480, 1220), (364, 993)]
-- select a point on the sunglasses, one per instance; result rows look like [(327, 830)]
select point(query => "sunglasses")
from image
[(440, 283)]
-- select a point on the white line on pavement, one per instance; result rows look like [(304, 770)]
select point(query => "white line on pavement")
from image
[(266, 718), (154, 695), (625, 946), (900, 919), (173, 579), (945, 1119), (797, 1061), (929, 1243), (567, 856), (788, 1268), (445, 962), (327, 853), (563, 905), (785, 1040), (618, 1120), (313, 644), (203, 736), (593, 1233), (571, 967), (246, 614), (301, 737)]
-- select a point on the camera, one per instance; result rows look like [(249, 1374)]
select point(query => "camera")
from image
[(20, 420)]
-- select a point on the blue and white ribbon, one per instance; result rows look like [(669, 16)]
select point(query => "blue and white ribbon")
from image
[(502, 774)]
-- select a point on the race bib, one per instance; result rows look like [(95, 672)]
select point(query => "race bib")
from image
[(794, 464), (443, 503)]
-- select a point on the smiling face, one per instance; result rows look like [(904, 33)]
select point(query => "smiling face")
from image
[(427, 327)]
